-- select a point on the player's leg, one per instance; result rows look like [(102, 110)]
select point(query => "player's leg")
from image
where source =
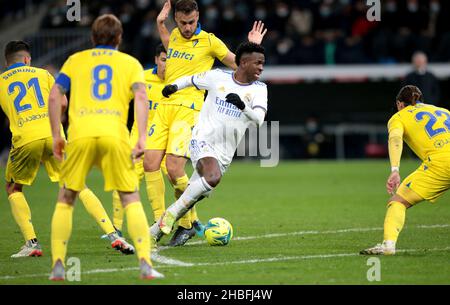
[(394, 221), (90, 201), (118, 212), (61, 229), (179, 180), (122, 177), (22, 167), (154, 181), (426, 183), (155, 150), (209, 176), (80, 157), (138, 229), (22, 215), (95, 208), (177, 153)]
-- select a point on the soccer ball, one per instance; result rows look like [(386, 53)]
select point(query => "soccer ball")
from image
[(218, 232)]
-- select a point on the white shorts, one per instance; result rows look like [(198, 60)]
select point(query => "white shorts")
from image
[(200, 149)]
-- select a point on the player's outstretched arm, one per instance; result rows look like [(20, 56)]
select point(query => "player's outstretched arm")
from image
[(141, 106), (228, 60), (257, 33), (201, 81), (393, 182), (395, 144), (255, 115), (164, 33), (179, 84), (56, 101), (168, 90)]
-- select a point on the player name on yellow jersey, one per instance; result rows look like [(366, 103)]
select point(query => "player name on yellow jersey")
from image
[(24, 94), (426, 128)]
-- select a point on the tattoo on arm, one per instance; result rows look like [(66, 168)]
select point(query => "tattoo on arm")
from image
[(137, 86), (61, 89)]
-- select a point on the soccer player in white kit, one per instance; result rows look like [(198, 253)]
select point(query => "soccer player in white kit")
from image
[(234, 101)]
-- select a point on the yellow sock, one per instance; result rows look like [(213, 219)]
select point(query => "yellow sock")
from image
[(180, 185), (138, 229), (22, 214), (394, 220), (61, 230), (117, 211), (156, 192), (194, 216), (96, 210)]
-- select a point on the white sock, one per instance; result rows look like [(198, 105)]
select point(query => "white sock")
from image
[(155, 230), (389, 244), (197, 187), (193, 192)]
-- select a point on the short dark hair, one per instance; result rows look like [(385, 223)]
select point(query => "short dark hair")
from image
[(410, 95), (13, 47), (247, 48), (186, 6), (106, 30), (160, 49)]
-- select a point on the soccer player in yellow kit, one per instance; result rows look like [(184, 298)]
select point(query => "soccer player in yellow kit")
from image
[(426, 130), (154, 80), (101, 81), (190, 50), (24, 100)]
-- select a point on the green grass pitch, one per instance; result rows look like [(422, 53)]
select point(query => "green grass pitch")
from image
[(297, 223)]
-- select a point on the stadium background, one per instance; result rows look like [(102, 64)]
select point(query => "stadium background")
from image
[(333, 74)]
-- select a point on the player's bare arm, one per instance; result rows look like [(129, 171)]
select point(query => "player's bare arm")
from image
[(164, 33), (393, 182), (55, 103), (140, 104), (256, 35), (395, 144), (228, 60), (64, 104)]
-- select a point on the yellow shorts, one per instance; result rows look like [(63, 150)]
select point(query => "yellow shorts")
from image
[(139, 164), (23, 162), (171, 129), (110, 154), (430, 180)]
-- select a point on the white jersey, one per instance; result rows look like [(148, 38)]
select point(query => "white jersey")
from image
[(222, 125)]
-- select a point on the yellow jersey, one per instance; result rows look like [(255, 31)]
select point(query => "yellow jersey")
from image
[(426, 129), (188, 57), (154, 87), (100, 82), (24, 92)]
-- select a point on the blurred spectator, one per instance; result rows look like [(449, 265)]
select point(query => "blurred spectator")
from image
[(313, 137), (309, 51), (300, 21), (337, 30), (350, 50), (424, 79)]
